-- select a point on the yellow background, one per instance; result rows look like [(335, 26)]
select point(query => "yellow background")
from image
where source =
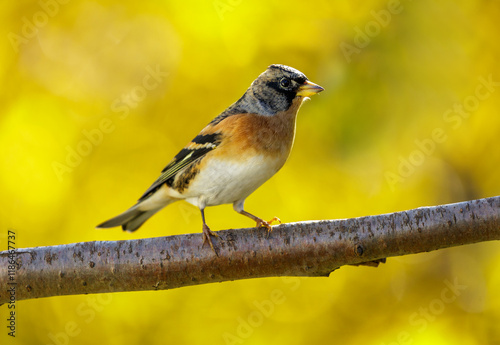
[(87, 58)]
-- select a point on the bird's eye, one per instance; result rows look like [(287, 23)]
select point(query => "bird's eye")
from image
[(285, 83)]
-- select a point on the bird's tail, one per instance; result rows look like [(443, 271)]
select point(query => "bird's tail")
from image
[(134, 217)]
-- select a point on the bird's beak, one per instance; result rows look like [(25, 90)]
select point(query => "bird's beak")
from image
[(308, 89)]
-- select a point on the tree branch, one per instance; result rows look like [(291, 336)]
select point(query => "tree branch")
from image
[(314, 248)]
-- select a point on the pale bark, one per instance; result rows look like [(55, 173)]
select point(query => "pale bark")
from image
[(314, 248)]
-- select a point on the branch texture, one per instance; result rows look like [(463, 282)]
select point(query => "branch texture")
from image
[(314, 248)]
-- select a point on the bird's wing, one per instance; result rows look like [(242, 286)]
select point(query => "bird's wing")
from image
[(194, 151)]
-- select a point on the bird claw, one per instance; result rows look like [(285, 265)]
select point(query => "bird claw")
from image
[(263, 224), (206, 238), (275, 219)]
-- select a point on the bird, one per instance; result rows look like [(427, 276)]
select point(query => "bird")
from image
[(233, 155)]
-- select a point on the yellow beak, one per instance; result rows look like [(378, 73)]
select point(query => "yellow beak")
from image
[(308, 89)]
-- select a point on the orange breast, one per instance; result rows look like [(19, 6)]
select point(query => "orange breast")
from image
[(250, 134)]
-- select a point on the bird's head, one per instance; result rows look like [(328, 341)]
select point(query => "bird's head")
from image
[(279, 86), (276, 89)]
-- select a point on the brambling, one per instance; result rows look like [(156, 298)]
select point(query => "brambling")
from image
[(233, 155)]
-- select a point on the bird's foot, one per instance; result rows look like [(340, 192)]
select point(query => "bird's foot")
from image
[(206, 237), (275, 219), (263, 224)]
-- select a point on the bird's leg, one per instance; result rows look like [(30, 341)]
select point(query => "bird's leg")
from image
[(275, 219), (261, 223), (207, 232)]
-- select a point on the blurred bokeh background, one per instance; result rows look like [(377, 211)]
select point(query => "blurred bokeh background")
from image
[(97, 96)]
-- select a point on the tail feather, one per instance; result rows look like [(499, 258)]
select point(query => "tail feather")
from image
[(136, 222), (130, 220), (134, 217)]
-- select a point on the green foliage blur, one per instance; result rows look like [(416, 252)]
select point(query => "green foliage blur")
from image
[(97, 97)]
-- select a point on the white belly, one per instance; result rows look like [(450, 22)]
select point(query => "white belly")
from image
[(223, 182)]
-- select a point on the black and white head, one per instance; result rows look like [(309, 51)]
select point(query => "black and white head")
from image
[(276, 89)]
